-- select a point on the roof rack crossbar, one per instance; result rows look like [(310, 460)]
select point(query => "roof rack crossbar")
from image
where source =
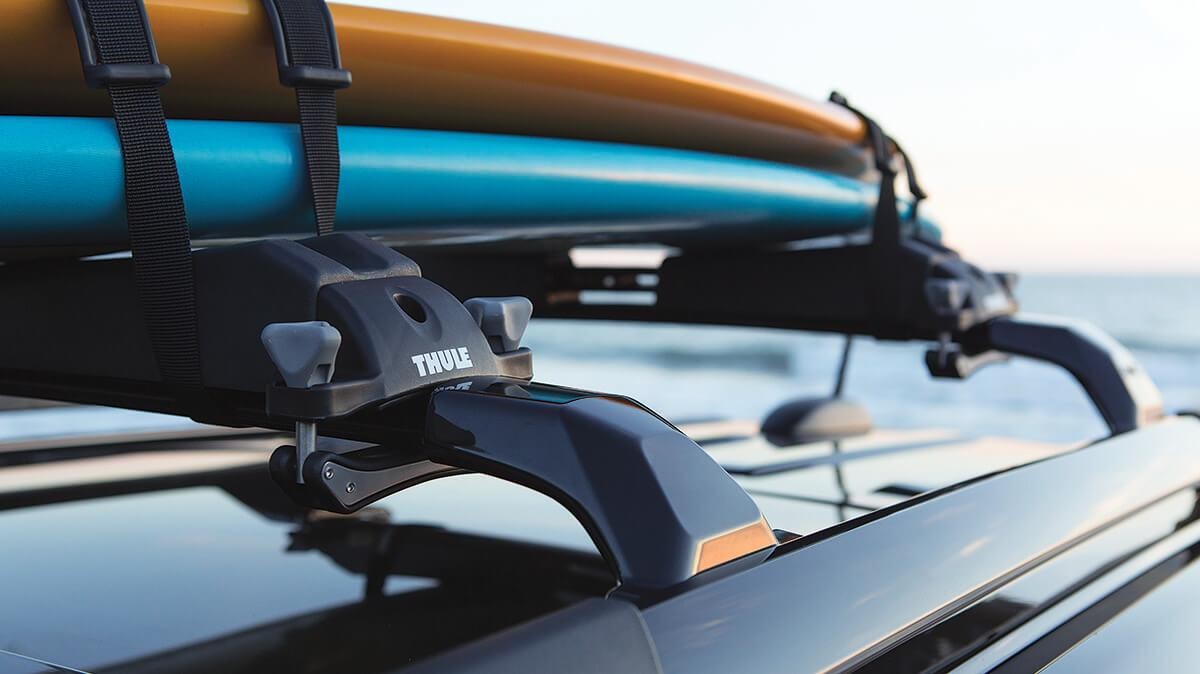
[(811, 288), (658, 507), (440, 385), (970, 314), (1118, 386)]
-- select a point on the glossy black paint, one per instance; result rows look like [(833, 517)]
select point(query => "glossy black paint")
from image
[(950, 642), (843, 597), (597, 635), (1156, 633), (219, 571)]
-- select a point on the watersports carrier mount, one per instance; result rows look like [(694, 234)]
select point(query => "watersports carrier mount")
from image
[(341, 336)]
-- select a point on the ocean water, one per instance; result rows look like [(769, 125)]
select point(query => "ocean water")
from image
[(690, 372)]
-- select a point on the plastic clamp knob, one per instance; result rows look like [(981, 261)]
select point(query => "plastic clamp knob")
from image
[(502, 319), (304, 353)]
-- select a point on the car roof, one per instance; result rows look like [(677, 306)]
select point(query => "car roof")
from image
[(187, 526)]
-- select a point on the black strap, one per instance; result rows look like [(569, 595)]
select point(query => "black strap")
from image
[(307, 53), (886, 297), (118, 53), (882, 147), (914, 186), (886, 226)]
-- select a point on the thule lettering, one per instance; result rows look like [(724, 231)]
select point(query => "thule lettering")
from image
[(446, 360)]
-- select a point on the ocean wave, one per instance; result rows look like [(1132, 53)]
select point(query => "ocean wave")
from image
[(1147, 344), (757, 360)]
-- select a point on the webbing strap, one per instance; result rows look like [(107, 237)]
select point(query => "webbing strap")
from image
[(318, 132), (118, 53), (885, 295), (307, 53), (882, 147), (914, 186), (886, 226)]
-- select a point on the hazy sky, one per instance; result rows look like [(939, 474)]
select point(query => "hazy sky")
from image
[(1050, 135)]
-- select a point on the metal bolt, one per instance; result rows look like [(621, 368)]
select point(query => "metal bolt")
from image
[(306, 444), (349, 487), (328, 472)]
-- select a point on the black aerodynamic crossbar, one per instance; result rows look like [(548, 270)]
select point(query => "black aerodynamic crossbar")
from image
[(342, 336), (969, 314)]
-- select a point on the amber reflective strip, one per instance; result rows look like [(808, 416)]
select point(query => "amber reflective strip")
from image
[(730, 545)]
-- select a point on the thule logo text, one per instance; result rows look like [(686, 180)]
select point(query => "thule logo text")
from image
[(446, 360)]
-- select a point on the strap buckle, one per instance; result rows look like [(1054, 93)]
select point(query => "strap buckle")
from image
[(877, 140), (297, 75), (100, 75)]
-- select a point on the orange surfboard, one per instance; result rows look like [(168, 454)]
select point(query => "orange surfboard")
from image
[(418, 71)]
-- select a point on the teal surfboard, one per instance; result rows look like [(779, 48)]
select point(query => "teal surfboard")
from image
[(61, 186)]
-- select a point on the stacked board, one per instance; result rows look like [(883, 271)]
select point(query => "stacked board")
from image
[(423, 72), (61, 184), (453, 133)]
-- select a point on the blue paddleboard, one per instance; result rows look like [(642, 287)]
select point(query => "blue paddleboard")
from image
[(61, 185)]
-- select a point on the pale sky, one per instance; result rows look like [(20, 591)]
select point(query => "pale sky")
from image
[(1051, 136)]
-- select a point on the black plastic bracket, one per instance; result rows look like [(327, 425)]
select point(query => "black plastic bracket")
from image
[(807, 288), (388, 316), (948, 361), (298, 75), (942, 298), (658, 507), (99, 75), (1116, 383), (346, 483), (439, 385)]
